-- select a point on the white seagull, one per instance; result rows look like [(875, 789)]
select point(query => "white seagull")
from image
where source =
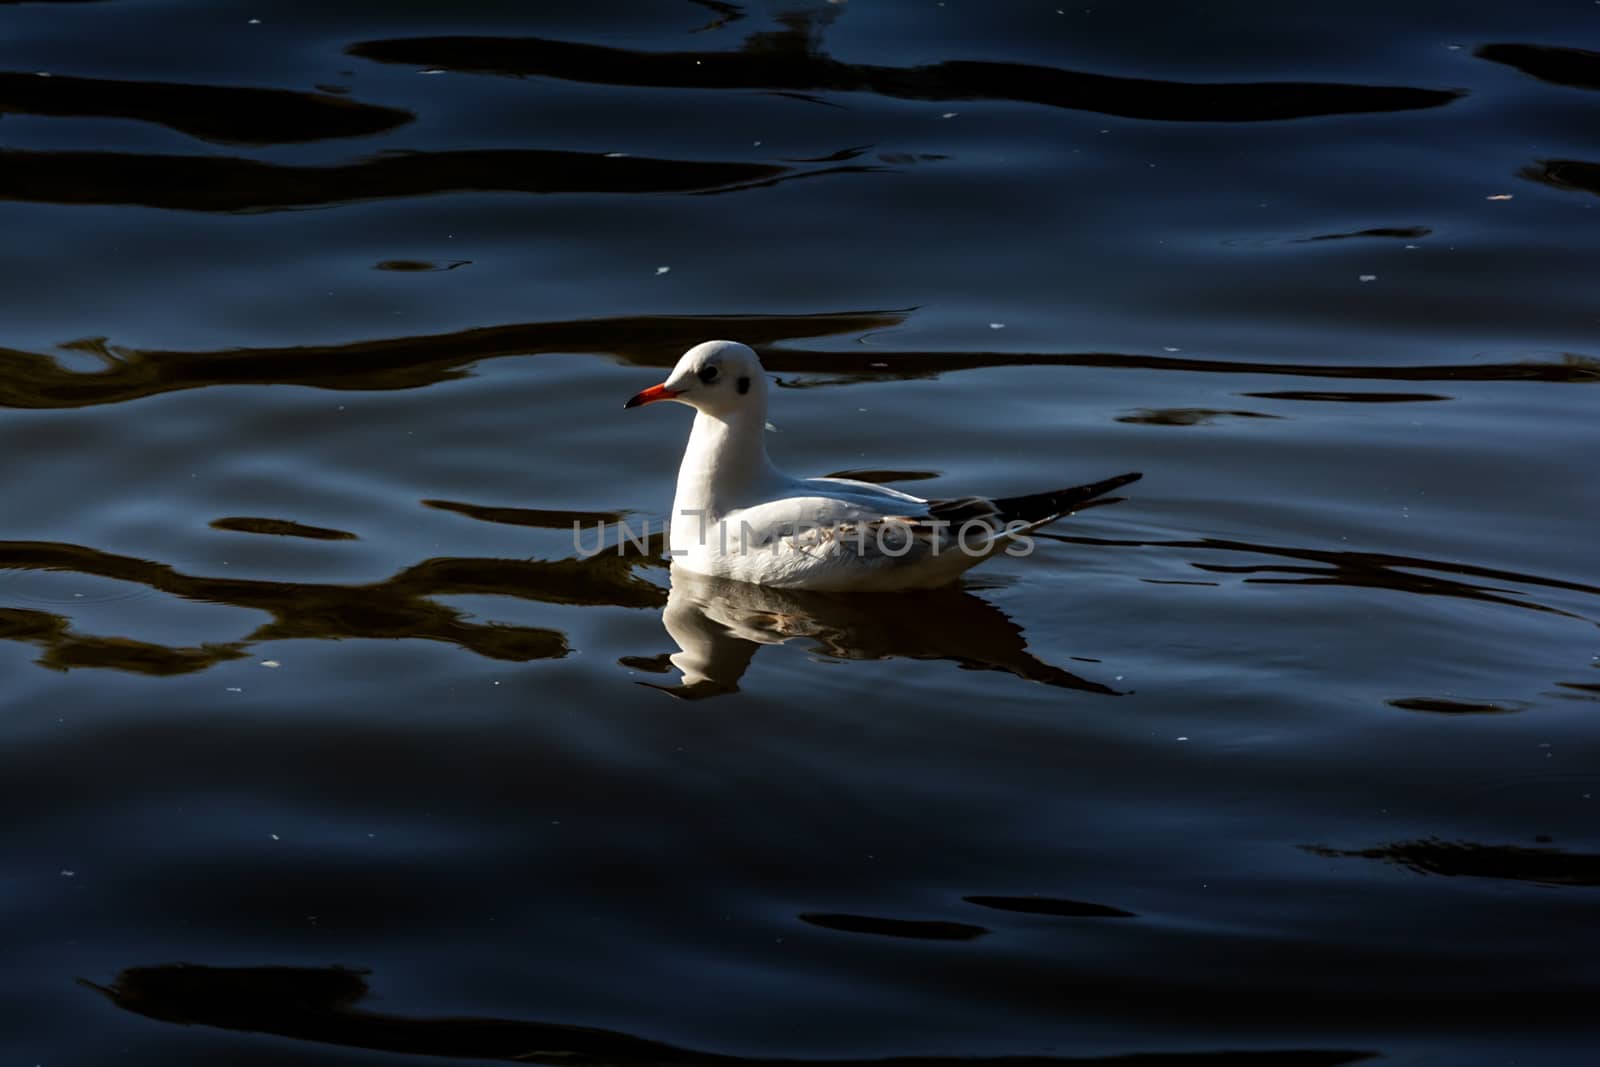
[(737, 516)]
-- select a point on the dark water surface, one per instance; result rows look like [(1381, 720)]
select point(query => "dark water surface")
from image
[(322, 745)]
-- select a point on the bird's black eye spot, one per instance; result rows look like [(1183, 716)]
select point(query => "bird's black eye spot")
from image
[(708, 373), (744, 384)]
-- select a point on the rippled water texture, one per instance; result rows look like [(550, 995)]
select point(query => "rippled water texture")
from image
[(321, 742)]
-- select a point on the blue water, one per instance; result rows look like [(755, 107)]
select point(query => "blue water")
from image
[(322, 744)]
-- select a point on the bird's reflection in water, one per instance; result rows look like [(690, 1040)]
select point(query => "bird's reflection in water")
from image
[(719, 625)]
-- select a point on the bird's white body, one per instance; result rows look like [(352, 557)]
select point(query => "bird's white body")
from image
[(735, 515)]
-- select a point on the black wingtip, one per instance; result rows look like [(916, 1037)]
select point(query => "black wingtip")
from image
[(1119, 481), (1081, 493), (1038, 506)]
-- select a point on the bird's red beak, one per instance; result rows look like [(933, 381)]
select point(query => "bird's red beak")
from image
[(650, 396)]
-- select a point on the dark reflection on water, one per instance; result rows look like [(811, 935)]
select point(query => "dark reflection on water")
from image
[(1565, 174), (1404, 232), (65, 650), (224, 114), (419, 266), (1188, 416), (918, 929), (792, 60), (1560, 65), (1338, 397), (399, 607), (1517, 863), (281, 528), (31, 380), (870, 474), (39, 380), (1448, 706), (724, 11), (720, 625), (546, 518), (880, 365), (1373, 570), (320, 1004), (216, 183), (1069, 909)]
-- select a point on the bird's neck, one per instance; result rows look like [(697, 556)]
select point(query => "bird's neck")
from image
[(725, 466)]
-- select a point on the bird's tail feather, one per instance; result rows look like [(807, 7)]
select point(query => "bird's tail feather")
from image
[(1038, 507)]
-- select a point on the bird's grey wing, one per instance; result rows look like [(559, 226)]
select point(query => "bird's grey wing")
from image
[(869, 493), (788, 518), (827, 523)]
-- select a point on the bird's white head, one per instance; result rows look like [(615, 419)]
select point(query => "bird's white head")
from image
[(720, 378)]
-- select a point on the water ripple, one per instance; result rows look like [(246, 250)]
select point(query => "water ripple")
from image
[(1557, 64), (790, 60), (39, 380), (217, 113), (320, 1004), (398, 607), (1517, 863), (227, 184)]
